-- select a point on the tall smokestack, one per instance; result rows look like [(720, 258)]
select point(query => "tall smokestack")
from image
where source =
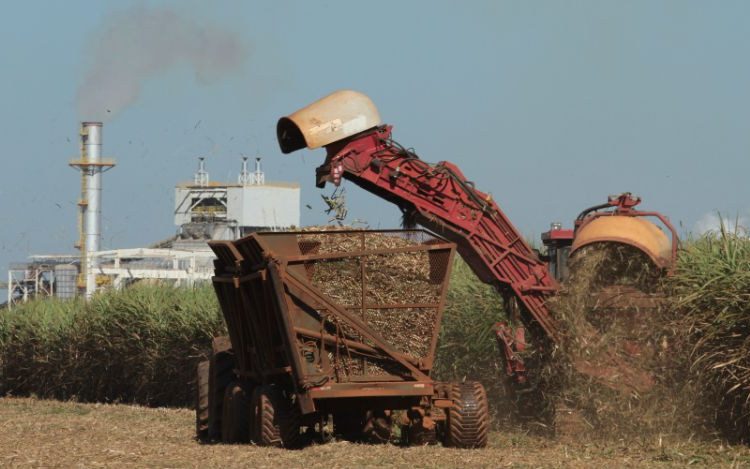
[(92, 165), (91, 139)]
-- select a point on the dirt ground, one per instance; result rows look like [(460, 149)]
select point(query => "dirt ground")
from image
[(38, 433)]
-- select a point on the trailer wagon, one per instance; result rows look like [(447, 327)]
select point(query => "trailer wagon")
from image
[(333, 332)]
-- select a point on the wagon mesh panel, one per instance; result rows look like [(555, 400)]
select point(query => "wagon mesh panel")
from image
[(340, 280), (401, 290)]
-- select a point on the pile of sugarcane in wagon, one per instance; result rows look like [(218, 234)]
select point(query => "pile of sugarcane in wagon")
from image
[(333, 333)]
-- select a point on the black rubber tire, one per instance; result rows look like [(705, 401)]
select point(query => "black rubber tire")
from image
[(235, 419), (469, 418), (220, 374), (201, 402), (378, 427), (277, 419)]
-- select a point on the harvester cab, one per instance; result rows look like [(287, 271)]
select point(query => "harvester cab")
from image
[(557, 242)]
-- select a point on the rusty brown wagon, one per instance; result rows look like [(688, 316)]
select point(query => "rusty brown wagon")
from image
[(334, 332)]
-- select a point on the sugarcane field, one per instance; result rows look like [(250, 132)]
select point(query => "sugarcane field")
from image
[(493, 234)]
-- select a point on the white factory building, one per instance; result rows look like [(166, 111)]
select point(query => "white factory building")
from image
[(205, 209)]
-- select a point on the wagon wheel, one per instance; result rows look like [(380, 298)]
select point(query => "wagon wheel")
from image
[(277, 419), (235, 419), (469, 418), (378, 426), (219, 376), (201, 402)]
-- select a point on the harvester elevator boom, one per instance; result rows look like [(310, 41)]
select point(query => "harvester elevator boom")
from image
[(440, 198)]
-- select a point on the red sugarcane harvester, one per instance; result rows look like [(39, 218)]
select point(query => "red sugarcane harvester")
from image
[(361, 149)]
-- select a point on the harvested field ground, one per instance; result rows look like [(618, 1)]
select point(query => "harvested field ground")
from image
[(37, 433)]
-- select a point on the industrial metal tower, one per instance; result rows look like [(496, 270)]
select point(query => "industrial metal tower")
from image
[(92, 165)]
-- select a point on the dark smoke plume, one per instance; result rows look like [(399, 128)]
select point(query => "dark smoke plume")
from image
[(139, 43)]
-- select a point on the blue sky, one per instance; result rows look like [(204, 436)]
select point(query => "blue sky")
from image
[(550, 106)]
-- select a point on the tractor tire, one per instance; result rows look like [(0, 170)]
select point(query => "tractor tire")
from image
[(277, 419), (378, 427), (235, 419), (469, 419), (201, 402), (220, 374)]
